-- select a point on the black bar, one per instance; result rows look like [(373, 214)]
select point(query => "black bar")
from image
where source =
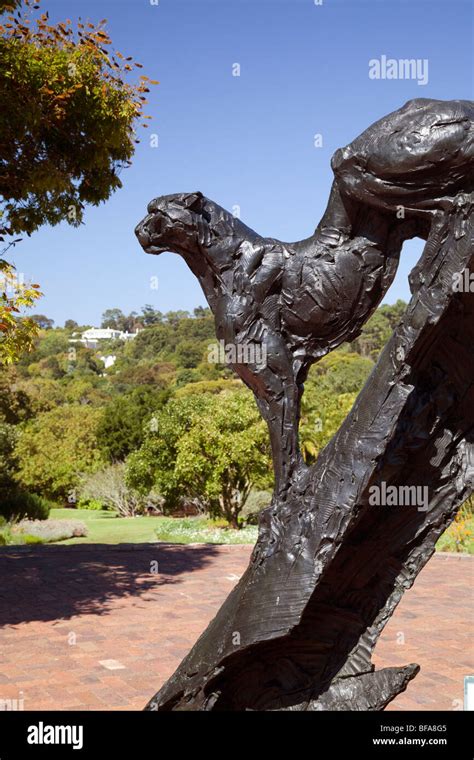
[(132, 734)]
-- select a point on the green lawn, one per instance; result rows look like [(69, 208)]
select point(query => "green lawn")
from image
[(106, 528)]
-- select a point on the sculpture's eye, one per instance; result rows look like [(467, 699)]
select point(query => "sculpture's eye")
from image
[(153, 206)]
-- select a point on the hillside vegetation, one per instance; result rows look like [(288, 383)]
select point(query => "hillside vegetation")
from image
[(165, 430)]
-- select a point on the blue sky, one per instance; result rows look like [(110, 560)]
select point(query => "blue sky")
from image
[(247, 140)]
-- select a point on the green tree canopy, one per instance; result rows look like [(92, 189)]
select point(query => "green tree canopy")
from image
[(121, 428), (213, 448), (43, 322), (154, 463), (67, 119), (17, 334), (8, 461), (56, 448), (330, 391), (117, 320), (341, 372), (15, 403), (67, 128), (150, 316), (373, 337)]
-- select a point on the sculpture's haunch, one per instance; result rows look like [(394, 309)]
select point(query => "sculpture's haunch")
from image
[(288, 304)]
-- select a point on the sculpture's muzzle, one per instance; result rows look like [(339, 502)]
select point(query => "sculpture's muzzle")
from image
[(147, 239)]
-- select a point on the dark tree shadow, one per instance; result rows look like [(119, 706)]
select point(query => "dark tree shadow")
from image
[(56, 582)]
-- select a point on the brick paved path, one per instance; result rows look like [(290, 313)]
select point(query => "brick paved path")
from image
[(94, 627)]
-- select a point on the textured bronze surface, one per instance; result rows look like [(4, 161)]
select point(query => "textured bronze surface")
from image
[(329, 566)]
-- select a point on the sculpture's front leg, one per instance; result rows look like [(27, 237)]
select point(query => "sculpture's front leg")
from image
[(273, 383)]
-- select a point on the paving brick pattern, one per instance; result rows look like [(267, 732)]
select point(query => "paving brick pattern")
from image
[(102, 627)]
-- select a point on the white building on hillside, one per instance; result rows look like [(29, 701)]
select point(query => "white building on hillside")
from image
[(91, 337)]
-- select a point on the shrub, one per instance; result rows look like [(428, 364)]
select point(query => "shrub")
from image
[(19, 504), (108, 486), (35, 531), (459, 537), (8, 537), (203, 530), (461, 533), (29, 540), (86, 503)]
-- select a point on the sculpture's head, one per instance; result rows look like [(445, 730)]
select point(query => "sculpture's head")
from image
[(174, 223)]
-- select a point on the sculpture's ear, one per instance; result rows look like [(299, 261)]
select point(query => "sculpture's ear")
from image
[(193, 201)]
